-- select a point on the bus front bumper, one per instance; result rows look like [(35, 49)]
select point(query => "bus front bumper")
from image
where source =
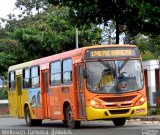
[(93, 113)]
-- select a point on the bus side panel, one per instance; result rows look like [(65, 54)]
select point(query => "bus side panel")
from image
[(59, 96), (13, 103), (24, 100), (64, 93), (35, 100), (56, 103), (37, 113)]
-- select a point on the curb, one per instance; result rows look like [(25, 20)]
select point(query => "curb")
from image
[(5, 116), (148, 118), (137, 118)]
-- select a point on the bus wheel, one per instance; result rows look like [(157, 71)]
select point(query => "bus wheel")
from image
[(28, 119), (64, 123), (71, 123), (119, 121), (37, 122)]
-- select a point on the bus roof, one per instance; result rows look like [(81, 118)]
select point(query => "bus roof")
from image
[(62, 55), (39, 61)]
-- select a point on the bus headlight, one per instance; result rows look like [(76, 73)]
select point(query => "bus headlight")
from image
[(140, 101), (95, 104)]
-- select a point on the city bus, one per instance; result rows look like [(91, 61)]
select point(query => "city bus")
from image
[(101, 82)]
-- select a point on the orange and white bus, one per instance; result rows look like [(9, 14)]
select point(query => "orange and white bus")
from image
[(103, 82)]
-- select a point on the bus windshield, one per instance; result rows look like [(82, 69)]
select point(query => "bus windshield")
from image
[(114, 76)]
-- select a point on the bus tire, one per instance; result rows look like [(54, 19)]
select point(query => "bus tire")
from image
[(64, 123), (71, 123), (37, 122), (119, 121), (28, 119)]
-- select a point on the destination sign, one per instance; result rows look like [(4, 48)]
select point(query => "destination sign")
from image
[(112, 53)]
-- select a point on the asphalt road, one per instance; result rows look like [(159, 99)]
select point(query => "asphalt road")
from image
[(17, 126)]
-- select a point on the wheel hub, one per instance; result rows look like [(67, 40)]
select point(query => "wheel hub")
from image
[(70, 117), (27, 118)]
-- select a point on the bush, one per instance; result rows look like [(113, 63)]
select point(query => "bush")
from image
[(3, 93), (155, 112)]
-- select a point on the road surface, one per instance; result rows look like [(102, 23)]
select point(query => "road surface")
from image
[(132, 127)]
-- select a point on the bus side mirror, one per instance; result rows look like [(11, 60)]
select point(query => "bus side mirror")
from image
[(84, 73)]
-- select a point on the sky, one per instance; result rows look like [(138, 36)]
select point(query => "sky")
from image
[(7, 7)]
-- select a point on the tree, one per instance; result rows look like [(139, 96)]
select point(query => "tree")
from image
[(3, 93), (146, 7), (28, 6), (149, 12), (149, 46), (41, 35), (108, 34), (126, 16), (10, 54), (52, 33)]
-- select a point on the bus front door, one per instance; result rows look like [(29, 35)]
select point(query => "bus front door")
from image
[(45, 94), (80, 91), (19, 90)]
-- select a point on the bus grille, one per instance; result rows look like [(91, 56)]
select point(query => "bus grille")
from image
[(118, 99), (124, 111), (119, 105)]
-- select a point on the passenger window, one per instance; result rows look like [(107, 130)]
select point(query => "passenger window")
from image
[(35, 77), (26, 78), (12, 81), (55, 73), (67, 71)]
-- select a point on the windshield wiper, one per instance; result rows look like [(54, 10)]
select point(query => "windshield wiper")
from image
[(124, 63), (105, 64)]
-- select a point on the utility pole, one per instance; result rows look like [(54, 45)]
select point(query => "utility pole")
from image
[(158, 90), (77, 38)]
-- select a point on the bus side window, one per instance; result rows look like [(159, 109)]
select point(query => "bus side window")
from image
[(12, 81), (67, 71), (26, 78), (35, 77), (55, 73)]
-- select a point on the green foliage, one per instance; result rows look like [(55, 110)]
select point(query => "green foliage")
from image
[(146, 7), (26, 6), (3, 93), (147, 55), (148, 11), (10, 53), (41, 35), (155, 112), (54, 33), (133, 16), (149, 46), (98, 12)]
